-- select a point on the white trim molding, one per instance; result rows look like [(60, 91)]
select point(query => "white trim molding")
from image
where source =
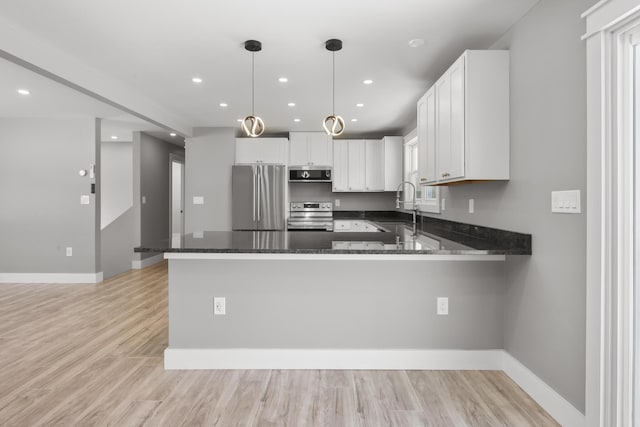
[(608, 397), (557, 406), (90, 278), (329, 257), (483, 360), (186, 358), (138, 264)]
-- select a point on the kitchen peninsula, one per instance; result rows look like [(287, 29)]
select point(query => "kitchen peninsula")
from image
[(335, 300)]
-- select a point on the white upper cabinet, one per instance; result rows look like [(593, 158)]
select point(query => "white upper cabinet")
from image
[(340, 179), (310, 149), (392, 162), (320, 149), (356, 172), (450, 123), (361, 165), (261, 150), (463, 121), (374, 165), (427, 137)]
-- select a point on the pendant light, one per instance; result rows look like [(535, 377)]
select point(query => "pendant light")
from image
[(333, 125), (253, 125)]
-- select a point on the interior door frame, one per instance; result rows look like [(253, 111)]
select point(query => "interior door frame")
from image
[(176, 158), (610, 208)]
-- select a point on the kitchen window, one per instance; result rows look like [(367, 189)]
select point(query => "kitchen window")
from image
[(426, 196)]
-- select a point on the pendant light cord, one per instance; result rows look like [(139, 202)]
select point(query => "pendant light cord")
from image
[(253, 83), (334, 84)]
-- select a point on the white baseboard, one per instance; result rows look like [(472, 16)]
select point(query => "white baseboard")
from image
[(51, 277), (494, 360), (182, 358), (557, 406), (137, 264)]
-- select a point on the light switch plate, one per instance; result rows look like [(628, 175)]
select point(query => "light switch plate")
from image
[(471, 205), (85, 200), (565, 201), (219, 306), (198, 200), (443, 306)]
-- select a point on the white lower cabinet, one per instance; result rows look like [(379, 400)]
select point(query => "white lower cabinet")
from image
[(354, 226)]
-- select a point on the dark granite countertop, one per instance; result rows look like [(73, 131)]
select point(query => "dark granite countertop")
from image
[(434, 237)]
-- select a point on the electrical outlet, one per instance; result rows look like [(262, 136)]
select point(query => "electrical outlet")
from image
[(85, 200), (219, 306), (144, 200), (69, 251), (471, 205), (443, 204), (198, 200), (443, 306)]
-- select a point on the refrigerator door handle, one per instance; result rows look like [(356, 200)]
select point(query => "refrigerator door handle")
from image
[(259, 195), (254, 193)]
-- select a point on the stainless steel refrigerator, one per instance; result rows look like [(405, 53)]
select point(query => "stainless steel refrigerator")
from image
[(258, 197)]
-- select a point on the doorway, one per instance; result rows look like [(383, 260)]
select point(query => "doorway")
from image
[(177, 199)]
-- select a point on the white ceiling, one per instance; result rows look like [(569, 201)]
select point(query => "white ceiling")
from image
[(157, 46), (49, 98)]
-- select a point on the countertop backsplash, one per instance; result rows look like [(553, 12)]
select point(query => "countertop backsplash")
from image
[(348, 201)]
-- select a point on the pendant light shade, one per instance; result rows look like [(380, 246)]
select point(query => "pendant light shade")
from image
[(333, 124), (253, 125)]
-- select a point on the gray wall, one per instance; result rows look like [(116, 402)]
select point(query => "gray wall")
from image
[(40, 191), (116, 176), (340, 305), (300, 192), (151, 180), (545, 304), (209, 156), (117, 245)]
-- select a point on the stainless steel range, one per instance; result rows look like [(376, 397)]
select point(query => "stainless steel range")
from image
[(310, 216)]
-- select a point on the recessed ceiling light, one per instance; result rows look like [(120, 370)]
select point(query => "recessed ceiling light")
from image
[(291, 104), (196, 80), (354, 120), (24, 92), (114, 137), (416, 42), (172, 134), (368, 81), (283, 79), (224, 104), (359, 105), (296, 120)]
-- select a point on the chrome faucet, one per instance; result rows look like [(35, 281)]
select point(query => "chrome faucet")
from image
[(414, 205)]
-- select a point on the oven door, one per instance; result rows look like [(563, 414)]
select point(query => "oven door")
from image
[(306, 224)]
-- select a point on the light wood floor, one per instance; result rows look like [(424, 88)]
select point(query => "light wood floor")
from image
[(76, 355)]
